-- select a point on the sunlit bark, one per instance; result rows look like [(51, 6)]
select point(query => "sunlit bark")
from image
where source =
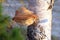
[(43, 9)]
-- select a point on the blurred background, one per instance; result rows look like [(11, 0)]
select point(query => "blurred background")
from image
[(56, 19), (10, 6)]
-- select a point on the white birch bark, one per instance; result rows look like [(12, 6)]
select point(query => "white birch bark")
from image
[(43, 8)]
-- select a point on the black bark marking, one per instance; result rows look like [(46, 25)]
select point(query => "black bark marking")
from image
[(50, 7), (51, 4), (31, 32), (42, 32)]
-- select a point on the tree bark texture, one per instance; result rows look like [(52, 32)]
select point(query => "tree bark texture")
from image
[(43, 9)]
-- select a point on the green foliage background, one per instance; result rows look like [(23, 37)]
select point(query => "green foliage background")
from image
[(8, 34)]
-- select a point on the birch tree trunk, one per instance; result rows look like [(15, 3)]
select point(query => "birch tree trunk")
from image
[(43, 9)]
